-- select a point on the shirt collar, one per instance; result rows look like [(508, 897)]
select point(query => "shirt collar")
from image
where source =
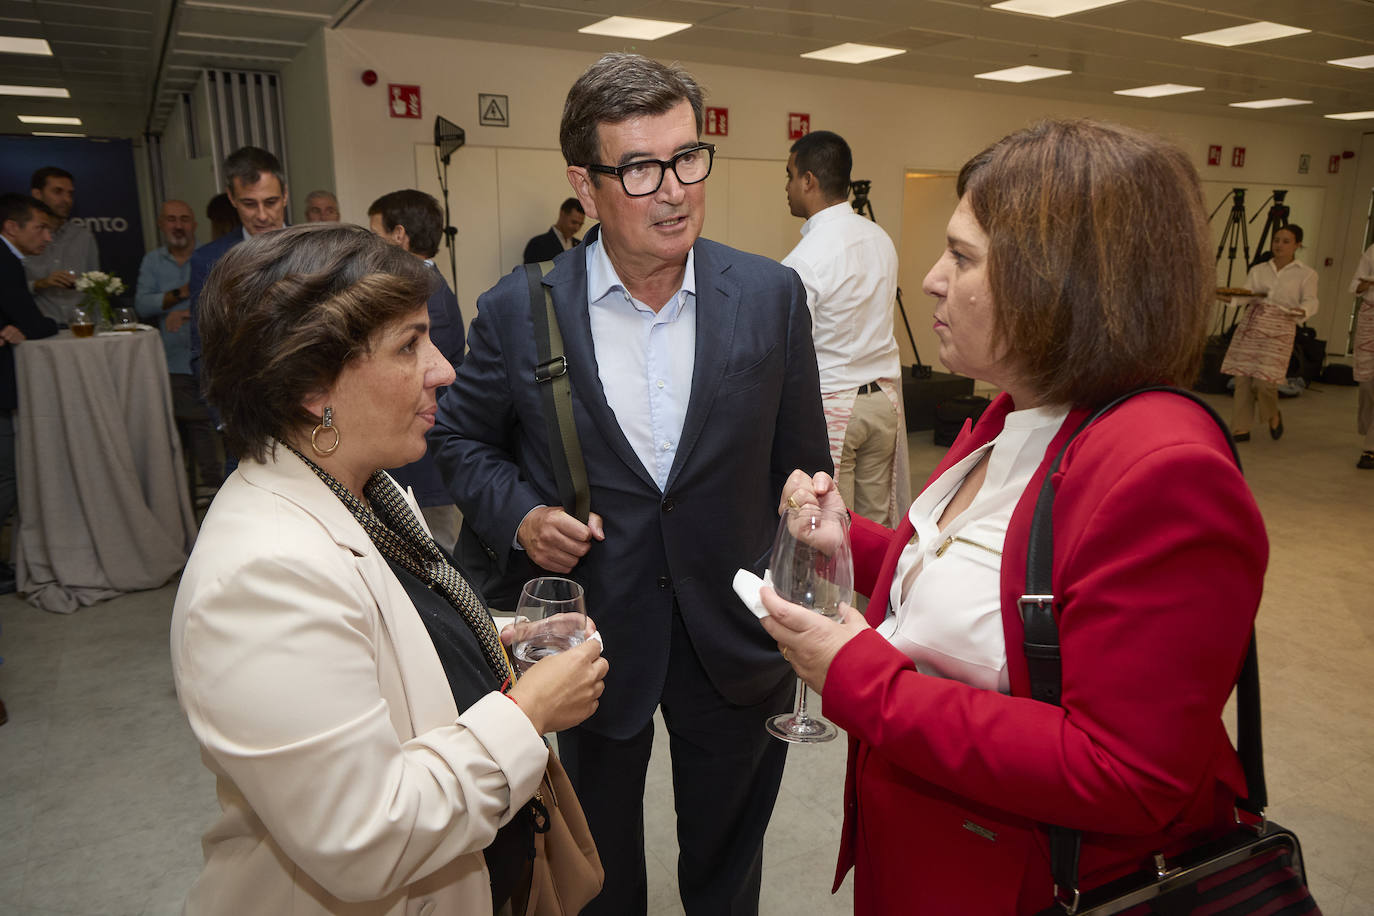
[(602, 278), (17, 253), (829, 214)]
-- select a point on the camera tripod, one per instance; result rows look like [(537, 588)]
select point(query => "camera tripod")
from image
[(863, 207), (1277, 219), (1234, 232)]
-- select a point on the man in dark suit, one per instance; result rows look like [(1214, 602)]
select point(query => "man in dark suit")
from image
[(414, 221), (26, 226), (695, 392), (256, 185), (560, 237)]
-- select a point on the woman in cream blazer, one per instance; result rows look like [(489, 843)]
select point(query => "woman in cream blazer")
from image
[(348, 778)]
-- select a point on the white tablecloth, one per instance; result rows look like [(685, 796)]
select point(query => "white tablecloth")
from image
[(104, 506)]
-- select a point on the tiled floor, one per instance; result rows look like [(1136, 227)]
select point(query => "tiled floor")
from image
[(103, 798)]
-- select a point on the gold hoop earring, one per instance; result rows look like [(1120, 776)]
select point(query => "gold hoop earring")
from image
[(326, 425)]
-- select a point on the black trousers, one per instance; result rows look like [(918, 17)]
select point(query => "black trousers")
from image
[(726, 774)]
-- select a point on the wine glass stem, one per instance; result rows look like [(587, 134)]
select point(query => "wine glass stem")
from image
[(801, 715)]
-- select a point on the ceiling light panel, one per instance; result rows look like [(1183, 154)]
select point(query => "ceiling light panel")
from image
[(1351, 116), (1024, 74), (1246, 34), (11, 45), (1158, 91), (36, 92), (1052, 9), (54, 133), (630, 27), (851, 53), (49, 119), (1357, 63), (1271, 103)]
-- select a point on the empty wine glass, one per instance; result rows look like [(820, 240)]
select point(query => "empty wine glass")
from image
[(812, 565), (551, 616)]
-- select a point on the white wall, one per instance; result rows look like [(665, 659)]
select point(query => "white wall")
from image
[(309, 139), (188, 179), (892, 128)]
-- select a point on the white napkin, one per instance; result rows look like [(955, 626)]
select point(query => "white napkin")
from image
[(747, 586)]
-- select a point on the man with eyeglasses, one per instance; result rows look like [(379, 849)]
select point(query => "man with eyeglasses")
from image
[(695, 392)]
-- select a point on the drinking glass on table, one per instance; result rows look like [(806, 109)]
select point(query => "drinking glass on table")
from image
[(126, 319), (82, 321), (551, 616), (813, 566)]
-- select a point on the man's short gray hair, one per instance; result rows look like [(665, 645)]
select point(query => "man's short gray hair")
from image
[(614, 89)]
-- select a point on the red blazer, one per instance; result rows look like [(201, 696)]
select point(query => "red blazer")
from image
[(1159, 558)]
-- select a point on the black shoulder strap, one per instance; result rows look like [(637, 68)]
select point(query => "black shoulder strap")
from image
[(551, 375), (1043, 659)]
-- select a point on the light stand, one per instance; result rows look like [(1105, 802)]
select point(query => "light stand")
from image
[(864, 207), (448, 138)]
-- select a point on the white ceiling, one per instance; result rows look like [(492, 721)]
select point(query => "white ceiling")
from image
[(126, 61)]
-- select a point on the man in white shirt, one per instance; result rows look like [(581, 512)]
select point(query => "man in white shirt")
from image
[(849, 268)]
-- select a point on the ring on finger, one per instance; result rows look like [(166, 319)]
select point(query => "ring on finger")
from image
[(792, 500), (785, 656)]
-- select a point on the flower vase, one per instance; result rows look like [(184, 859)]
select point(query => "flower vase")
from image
[(100, 307)]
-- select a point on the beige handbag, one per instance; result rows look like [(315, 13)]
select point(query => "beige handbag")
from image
[(567, 870)]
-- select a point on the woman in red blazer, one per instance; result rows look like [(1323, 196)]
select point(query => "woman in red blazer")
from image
[(1055, 287)]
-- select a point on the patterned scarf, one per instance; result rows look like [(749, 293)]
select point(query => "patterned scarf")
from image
[(394, 530)]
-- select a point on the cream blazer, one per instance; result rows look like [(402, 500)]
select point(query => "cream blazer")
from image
[(348, 782)]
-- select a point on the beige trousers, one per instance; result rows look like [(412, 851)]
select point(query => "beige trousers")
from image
[(1250, 391), (864, 475)]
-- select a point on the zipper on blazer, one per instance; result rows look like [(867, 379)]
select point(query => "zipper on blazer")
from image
[(949, 541)]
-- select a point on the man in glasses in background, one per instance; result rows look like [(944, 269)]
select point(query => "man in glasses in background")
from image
[(695, 393)]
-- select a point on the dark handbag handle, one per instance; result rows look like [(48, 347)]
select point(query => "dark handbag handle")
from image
[(551, 376), (1043, 658)]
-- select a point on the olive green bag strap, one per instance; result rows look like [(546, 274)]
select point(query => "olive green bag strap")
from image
[(551, 376)]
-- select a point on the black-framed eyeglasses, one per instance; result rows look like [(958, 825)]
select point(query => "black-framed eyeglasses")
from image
[(644, 176)]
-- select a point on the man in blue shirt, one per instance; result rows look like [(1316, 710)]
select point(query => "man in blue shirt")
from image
[(164, 298)]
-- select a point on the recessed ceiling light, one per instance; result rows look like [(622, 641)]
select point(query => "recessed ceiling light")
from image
[(1154, 92), (36, 92), (1359, 63), (54, 133), (1051, 8), (851, 53), (630, 27), (12, 45), (1021, 74), (1271, 103), (1351, 116), (1246, 34), (48, 119)]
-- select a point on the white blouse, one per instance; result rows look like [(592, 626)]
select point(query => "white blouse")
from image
[(945, 610)]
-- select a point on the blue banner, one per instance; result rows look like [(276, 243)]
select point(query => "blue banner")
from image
[(106, 191)]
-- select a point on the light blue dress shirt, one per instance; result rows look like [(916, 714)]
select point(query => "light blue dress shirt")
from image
[(645, 359), (158, 273)]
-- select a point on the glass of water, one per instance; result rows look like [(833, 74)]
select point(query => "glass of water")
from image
[(551, 616)]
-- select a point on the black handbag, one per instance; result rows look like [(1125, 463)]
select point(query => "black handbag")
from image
[(1256, 867)]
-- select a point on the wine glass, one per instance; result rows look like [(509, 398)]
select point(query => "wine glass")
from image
[(551, 616), (126, 319), (812, 566)]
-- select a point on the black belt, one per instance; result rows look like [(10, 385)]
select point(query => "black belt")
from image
[(871, 386)]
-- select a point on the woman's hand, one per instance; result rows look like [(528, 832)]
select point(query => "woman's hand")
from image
[(561, 690), (809, 641), (801, 489)]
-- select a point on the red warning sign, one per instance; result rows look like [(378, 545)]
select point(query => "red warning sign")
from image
[(718, 122), (403, 101)]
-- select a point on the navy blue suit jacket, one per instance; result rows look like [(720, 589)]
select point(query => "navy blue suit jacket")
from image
[(202, 261), (753, 415), (17, 308), (446, 330), (544, 247)]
